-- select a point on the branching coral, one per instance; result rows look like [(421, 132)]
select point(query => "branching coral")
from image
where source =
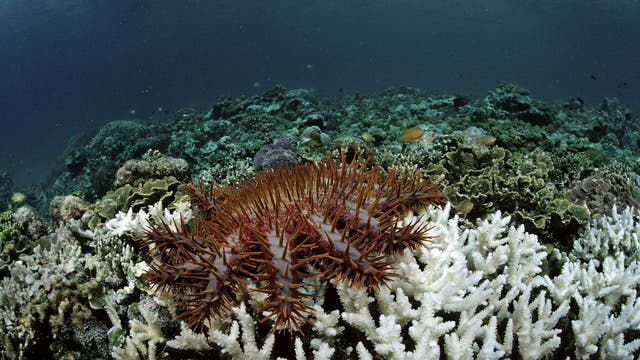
[(329, 220)]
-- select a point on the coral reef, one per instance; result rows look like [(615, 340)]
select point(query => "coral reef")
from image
[(69, 299), (94, 160), (488, 290), (536, 261), (220, 143)]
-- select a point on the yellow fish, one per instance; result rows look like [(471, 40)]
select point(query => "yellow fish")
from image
[(411, 134), (18, 197), (486, 140), (368, 137), (465, 207)]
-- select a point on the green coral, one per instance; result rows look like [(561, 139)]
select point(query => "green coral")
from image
[(142, 193), (494, 178), (14, 241), (491, 178)]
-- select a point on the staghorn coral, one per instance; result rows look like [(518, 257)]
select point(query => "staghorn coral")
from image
[(283, 228)]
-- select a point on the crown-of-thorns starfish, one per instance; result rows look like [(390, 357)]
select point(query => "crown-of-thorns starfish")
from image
[(324, 219)]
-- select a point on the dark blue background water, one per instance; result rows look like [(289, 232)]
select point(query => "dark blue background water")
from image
[(67, 66)]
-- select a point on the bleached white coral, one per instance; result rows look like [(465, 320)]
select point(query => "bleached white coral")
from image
[(540, 337), (189, 340), (472, 292), (242, 346), (135, 224), (143, 339), (610, 235), (32, 289), (477, 290)]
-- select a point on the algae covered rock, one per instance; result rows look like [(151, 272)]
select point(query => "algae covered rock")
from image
[(601, 191), (153, 165), (313, 143), (65, 208), (279, 154), (513, 100)]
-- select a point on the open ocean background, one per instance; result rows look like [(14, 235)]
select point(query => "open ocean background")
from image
[(68, 66)]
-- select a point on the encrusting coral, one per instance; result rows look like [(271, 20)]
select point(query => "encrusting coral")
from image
[(328, 220)]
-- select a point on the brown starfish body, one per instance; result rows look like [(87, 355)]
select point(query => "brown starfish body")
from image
[(284, 226)]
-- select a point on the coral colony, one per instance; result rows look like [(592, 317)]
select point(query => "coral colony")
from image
[(327, 220)]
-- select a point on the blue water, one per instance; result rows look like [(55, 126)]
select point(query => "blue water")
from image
[(67, 66)]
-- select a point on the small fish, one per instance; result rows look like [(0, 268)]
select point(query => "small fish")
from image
[(411, 134), (486, 140), (257, 84), (465, 206), (593, 77), (18, 197), (368, 138)]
